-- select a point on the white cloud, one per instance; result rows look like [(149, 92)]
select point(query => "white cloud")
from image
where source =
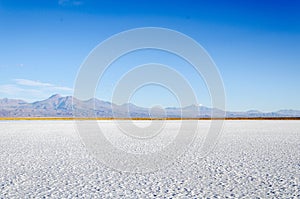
[(27, 82), (62, 2), (11, 89), (31, 90), (16, 92), (70, 2), (32, 83)]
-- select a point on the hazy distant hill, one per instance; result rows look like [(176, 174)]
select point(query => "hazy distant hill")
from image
[(58, 106)]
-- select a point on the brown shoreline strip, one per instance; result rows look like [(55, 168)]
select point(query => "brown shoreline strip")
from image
[(92, 118)]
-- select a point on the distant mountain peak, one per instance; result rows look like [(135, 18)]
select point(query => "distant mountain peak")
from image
[(253, 111), (55, 96), (58, 106)]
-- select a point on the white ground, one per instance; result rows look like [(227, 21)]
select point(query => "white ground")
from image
[(252, 158)]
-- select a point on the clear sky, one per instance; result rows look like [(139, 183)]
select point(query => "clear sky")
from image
[(255, 44)]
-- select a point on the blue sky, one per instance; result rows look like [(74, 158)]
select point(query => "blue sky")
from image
[(255, 44)]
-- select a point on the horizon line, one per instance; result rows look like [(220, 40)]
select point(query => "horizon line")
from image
[(148, 119)]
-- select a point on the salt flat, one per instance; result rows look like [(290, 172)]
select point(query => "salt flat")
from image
[(251, 159)]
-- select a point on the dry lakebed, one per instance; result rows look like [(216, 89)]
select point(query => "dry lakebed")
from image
[(251, 159)]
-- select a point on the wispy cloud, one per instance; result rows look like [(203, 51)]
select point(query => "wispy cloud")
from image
[(31, 90), (14, 89), (32, 83), (20, 65), (27, 82), (70, 2)]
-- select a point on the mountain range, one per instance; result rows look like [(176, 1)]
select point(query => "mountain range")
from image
[(59, 106)]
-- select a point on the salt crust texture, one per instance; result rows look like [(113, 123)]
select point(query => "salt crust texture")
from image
[(251, 159)]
